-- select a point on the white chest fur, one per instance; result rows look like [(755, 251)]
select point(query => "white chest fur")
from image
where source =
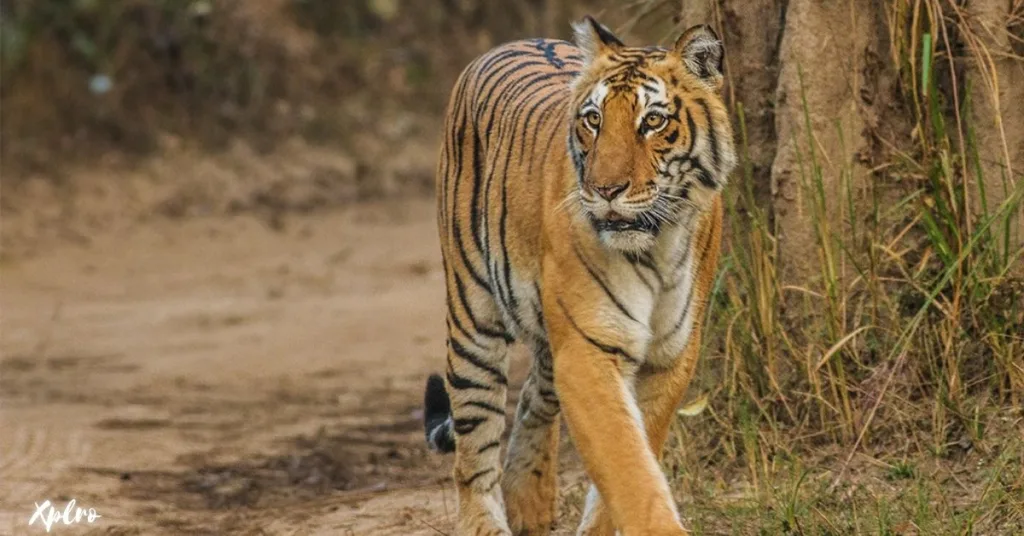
[(672, 318), (658, 292)]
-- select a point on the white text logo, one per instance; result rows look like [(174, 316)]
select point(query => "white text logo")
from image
[(48, 515)]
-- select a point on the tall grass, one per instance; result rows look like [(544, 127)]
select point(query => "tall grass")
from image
[(907, 348), (919, 290)]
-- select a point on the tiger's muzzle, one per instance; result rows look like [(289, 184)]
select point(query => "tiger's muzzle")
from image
[(619, 208)]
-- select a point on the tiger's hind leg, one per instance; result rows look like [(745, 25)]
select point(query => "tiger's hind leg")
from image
[(530, 482), (474, 392)]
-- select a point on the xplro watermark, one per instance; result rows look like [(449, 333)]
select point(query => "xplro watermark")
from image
[(48, 515)]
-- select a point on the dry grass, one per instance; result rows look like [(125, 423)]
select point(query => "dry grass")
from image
[(884, 396)]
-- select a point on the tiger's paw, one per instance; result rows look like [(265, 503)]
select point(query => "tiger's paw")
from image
[(481, 514), (531, 505), (476, 523)]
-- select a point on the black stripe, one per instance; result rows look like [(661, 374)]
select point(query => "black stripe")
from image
[(544, 416), (645, 260), (532, 83), (467, 482), (502, 226), (679, 264), (457, 238), (539, 311), (606, 348), (467, 425), (538, 104), (492, 164), (506, 127), (462, 383), (506, 94), (545, 369), (678, 103), (508, 68), (486, 406), (476, 361), (550, 109), (542, 362), (679, 323), (548, 49), (474, 216), (550, 142), (496, 333), (488, 446), (453, 319), (484, 100), (491, 68), (486, 65), (601, 282), (548, 395), (703, 176), (692, 128), (712, 135), (643, 278)]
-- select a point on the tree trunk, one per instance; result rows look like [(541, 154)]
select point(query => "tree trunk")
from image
[(818, 84), (827, 55), (769, 43), (995, 79)]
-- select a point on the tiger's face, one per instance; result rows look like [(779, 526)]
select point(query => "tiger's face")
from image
[(649, 134)]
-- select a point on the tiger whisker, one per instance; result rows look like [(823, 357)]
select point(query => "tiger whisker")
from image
[(573, 195)]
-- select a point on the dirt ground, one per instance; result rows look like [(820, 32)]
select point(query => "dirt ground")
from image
[(219, 375)]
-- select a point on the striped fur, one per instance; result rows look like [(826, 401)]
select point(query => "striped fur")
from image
[(579, 213)]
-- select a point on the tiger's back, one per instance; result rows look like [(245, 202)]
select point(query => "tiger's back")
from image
[(504, 134)]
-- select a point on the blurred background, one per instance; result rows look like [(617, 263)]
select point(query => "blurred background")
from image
[(222, 289)]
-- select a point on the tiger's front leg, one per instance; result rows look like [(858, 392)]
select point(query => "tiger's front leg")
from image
[(659, 392), (594, 380)]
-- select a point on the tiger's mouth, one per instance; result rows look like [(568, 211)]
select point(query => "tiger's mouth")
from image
[(616, 223)]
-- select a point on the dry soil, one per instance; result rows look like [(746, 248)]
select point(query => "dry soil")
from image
[(221, 375)]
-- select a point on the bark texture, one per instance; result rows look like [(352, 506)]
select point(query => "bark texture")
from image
[(838, 56), (995, 78), (828, 57)]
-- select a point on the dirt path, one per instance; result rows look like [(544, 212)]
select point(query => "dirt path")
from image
[(215, 376)]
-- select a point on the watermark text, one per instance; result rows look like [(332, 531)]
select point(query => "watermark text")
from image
[(48, 515)]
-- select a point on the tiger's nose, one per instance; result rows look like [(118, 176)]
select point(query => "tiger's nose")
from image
[(611, 191)]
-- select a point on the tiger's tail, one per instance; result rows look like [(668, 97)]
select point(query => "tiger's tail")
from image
[(437, 415)]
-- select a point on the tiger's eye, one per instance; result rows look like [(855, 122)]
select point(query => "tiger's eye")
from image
[(654, 120), (593, 119)]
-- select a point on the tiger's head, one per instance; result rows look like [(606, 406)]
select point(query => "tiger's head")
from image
[(649, 133)]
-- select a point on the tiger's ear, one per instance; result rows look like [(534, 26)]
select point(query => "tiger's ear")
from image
[(594, 38), (702, 52)]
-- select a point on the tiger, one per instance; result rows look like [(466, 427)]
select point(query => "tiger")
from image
[(579, 208)]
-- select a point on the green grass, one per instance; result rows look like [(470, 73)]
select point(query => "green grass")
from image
[(882, 396)]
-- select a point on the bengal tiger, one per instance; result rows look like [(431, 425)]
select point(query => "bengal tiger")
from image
[(580, 213)]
